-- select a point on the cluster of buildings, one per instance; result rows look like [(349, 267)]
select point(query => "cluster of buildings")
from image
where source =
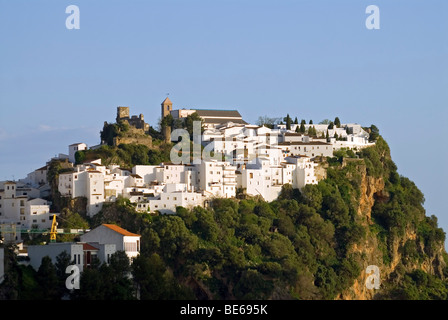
[(21, 204), (256, 159), (253, 159), (166, 186)]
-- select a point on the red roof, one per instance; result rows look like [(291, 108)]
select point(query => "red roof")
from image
[(88, 247), (120, 230)]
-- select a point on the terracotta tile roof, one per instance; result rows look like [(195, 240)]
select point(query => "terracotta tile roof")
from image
[(88, 247), (167, 101), (120, 230)]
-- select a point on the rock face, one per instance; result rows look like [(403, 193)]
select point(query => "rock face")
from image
[(373, 189), (134, 135)]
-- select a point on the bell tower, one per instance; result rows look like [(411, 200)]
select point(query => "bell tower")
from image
[(167, 106)]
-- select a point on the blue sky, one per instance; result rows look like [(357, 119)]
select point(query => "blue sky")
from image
[(313, 59)]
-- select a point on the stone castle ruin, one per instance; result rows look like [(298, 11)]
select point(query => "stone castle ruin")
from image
[(138, 132), (134, 121)]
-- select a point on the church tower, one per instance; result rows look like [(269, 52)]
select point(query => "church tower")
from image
[(167, 106)]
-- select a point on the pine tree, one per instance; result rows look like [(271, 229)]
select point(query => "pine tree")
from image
[(47, 280), (288, 122), (337, 122)]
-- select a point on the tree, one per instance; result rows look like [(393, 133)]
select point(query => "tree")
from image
[(296, 121), (312, 131), (337, 122), (47, 280), (80, 157), (205, 225), (374, 133), (302, 127), (167, 121), (155, 282), (91, 285), (267, 121), (190, 120), (288, 121), (331, 125), (176, 241), (311, 122), (252, 285), (10, 287), (115, 277), (109, 132)]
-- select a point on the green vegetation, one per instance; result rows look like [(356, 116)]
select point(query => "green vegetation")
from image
[(185, 123), (128, 155), (296, 247)]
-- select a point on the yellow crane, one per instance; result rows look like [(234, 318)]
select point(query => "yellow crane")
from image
[(12, 229), (53, 230)]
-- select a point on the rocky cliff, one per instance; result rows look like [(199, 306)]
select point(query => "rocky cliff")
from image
[(388, 251)]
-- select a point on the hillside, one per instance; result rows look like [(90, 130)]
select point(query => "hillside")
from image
[(314, 244), (310, 245)]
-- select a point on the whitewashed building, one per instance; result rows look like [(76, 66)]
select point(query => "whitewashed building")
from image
[(310, 149), (82, 254), (73, 148), (216, 178), (112, 234), (52, 250), (17, 206), (265, 180), (89, 184), (173, 196)]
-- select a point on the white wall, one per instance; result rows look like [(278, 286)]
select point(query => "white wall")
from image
[(105, 235), (37, 252), (72, 149)]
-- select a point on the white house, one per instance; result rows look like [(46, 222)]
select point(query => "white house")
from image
[(37, 178), (217, 178), (303, 172), (147, 172), (310, 149), (263, 179), (73, 148), (260, 178), (81, 254), (113, 234), (17, 206), (174, 195), (52, 250), (89, 184)]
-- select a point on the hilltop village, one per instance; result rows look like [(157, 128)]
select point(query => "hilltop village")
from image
[(254, 160), (258, 160)]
